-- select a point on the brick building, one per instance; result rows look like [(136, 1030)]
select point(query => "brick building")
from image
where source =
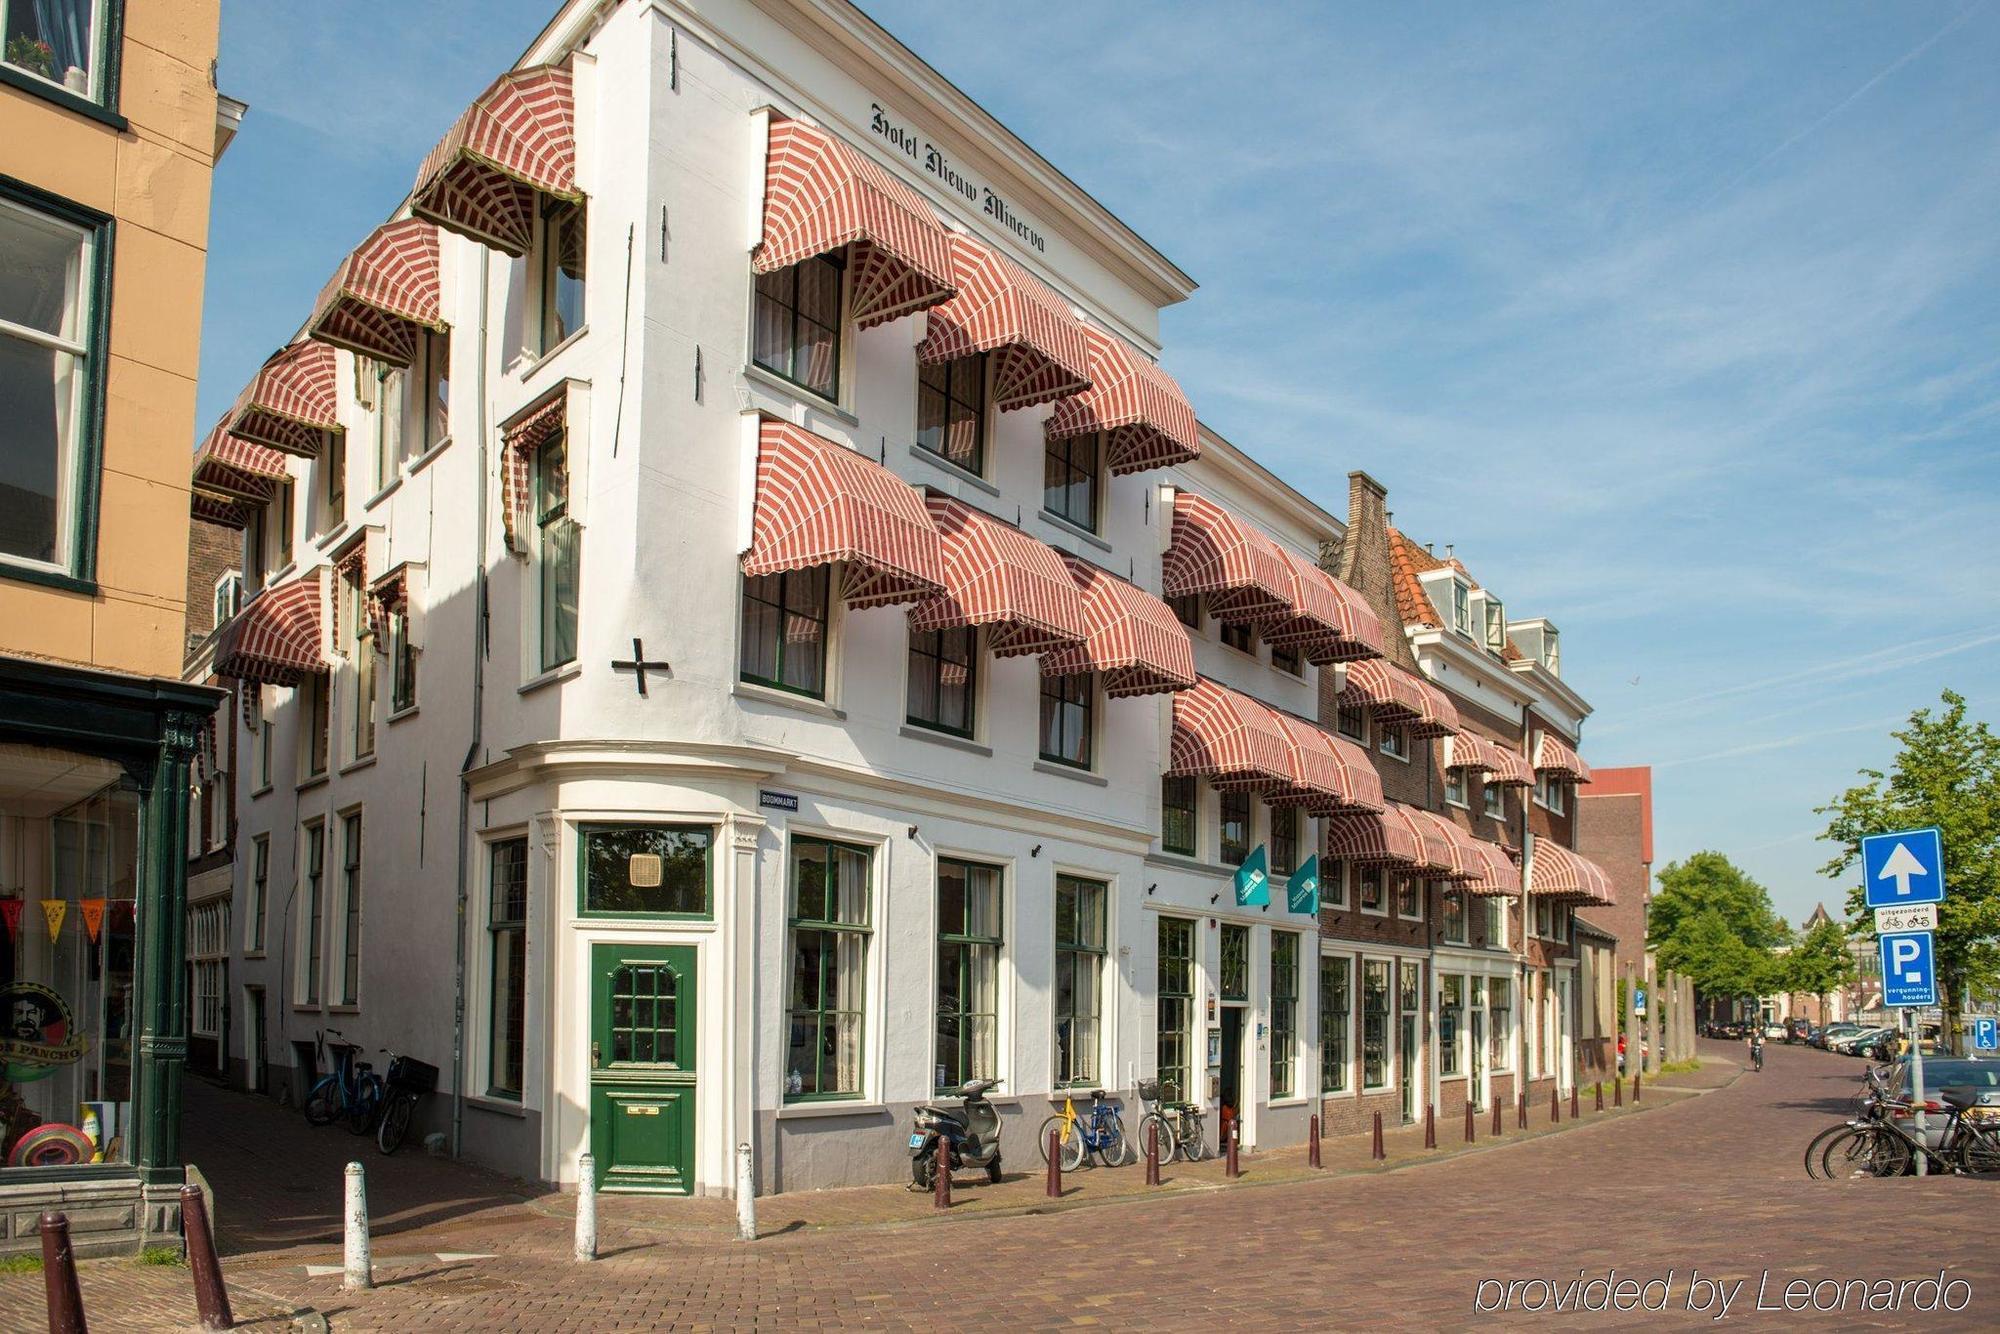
[(1615, 830)]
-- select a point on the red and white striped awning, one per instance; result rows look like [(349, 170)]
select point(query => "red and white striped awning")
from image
[(1464, 860), (1360, 629), (1399, 696), (384, 295), (516, 142), (1502, 767), (1228, 738), (1328, 774), (276, 638), (1214, 554), (1135, 643), (1556, 759), (1554, 872), (291, 405), (1499, 874), (1434, 845), (1146, 420), (1324, 616), (997, 576), (211, 507), (819, 502), (1373, 838), (822, 195), (1035, 342), (231, 466)]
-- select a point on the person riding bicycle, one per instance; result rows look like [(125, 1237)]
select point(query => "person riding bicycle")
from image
[(1757, 1048)]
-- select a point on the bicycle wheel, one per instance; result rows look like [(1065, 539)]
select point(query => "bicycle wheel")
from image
[(395, 1122), (1162, 1127), (1866, 1151), (1064, 1128), (1979, 1151), (1075, 1149), (321, 1104), (1192, 1138), (1817, 1148), (1113, 1150), (366, 1102)]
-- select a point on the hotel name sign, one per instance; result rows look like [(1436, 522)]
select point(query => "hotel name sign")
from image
[(932, 159)]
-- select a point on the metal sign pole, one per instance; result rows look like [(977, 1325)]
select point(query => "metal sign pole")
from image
[(1917, 1083)]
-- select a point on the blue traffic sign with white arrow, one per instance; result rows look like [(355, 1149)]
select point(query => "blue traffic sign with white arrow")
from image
[(1903, 867), (1909, 969)]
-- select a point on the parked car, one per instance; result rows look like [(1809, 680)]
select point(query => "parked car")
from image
[(1942, 1073), (1865, 1043), (1834, 1033), (1774, 1032)]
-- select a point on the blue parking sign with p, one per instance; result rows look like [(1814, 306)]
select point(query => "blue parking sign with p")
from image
[(1986, 1034), (1909, 969), (1904, 867)]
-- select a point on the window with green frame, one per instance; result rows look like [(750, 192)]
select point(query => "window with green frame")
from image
[(1284, 1013), (1236, 963), (1335, 1017), (1374, 1024), (644, 870), (1179, 814), (944, 679), (1174, 1009), (53, 304), (1080, 934), (785, 631), (968, 972), (559, 555), (66, 51), (507, 957), (829, 925), (795, 329)]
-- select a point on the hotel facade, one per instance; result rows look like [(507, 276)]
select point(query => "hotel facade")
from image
[(739, 636)]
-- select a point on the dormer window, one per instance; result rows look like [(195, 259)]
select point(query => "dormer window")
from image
[(1461, 607), (1496, 626)]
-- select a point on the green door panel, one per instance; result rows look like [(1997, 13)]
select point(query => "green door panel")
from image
[(642, 1066)]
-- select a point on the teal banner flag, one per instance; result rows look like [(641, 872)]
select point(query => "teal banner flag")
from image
[(1253, 879), (1302, 891)]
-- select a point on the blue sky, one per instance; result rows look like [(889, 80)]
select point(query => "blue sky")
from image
[(1681, 323)]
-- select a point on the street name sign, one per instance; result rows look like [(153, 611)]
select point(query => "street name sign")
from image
[(1909, 969), (1911, 917), (1986, 1034), (1904, 867)]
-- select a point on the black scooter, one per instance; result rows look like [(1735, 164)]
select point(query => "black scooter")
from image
[(972, 1128)]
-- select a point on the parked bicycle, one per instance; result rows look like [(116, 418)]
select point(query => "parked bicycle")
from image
[(1077, 1136), (1156, 1121), (351, 1090), (409, 1081), (1185, 1121), (1879, 1143)]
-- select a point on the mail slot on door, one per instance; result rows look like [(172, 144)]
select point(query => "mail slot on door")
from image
[(642, 1109)]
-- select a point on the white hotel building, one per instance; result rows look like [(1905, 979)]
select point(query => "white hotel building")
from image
[(735, 343)]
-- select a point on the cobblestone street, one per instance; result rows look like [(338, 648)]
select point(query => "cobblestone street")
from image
[(1706, 1182)]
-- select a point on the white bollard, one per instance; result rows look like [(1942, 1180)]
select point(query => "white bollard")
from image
[(586, 1208), (360, 1272), (746, 1195)]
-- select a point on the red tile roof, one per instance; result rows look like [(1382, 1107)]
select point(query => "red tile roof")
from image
[(1407, 561)]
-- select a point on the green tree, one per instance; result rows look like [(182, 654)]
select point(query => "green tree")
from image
[(1947, 774), (1819, 964), (1711, 922), (1708, 947)]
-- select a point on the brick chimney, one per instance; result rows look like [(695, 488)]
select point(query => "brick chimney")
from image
[(1363, 562)]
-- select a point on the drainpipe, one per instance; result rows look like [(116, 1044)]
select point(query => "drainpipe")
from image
[(478, 727)]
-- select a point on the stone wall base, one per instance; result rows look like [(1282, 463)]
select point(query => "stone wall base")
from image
[(107, 1216)]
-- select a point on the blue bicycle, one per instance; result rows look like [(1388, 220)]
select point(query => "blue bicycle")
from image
[(1077, 1136), (352, 1090)]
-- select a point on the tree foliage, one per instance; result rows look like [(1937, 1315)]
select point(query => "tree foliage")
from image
[(1711, 922), (1819, 964), (1947, 774)]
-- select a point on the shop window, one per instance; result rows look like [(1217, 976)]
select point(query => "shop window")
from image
[(645, 870), (507, 961), (1070, 471), (1374, 1024), (70, 976), (561, 272), (1068, 703), (1233, 827), (968, 972), (558, 553), (785, 631), (1080, 949), (51, 367), (1451, 1023), (951, 411), (1284, 1012), (1284, 840), (830, 931), (1179, 808), (349, 910), (796, 328), (1336, 1002), (944, 671), (1174, 1011), (1236, 963)]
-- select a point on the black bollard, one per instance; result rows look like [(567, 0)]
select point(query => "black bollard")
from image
[(59, 1284), (211, 1298)]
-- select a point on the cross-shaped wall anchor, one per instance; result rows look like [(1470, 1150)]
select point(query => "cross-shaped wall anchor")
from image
[(638, 665)]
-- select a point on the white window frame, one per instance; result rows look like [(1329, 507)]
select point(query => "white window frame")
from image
[(94, 76), (1493, 800), (1456, 779), (1388, 893), (1397, 733)]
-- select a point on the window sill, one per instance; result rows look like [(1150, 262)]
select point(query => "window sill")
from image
[(423, 460), (1071, 772), (326, 541), (349, 1007), (950, 469), (748, 690), (497, 1107), (62, 97), (918, 732), (1072, 528), (797, 392), (48, 578), (1462, 805), (549, 678), (1290, 1100), (530, 362), (1175, 862), (399, 716), (365, 762), (253, 954), (807, 1111), (263, 791), (395, 485), (307, 784), (1400, 759), (1329, 1094)]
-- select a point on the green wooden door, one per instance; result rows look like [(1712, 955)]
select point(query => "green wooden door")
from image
[(642, 1066)]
